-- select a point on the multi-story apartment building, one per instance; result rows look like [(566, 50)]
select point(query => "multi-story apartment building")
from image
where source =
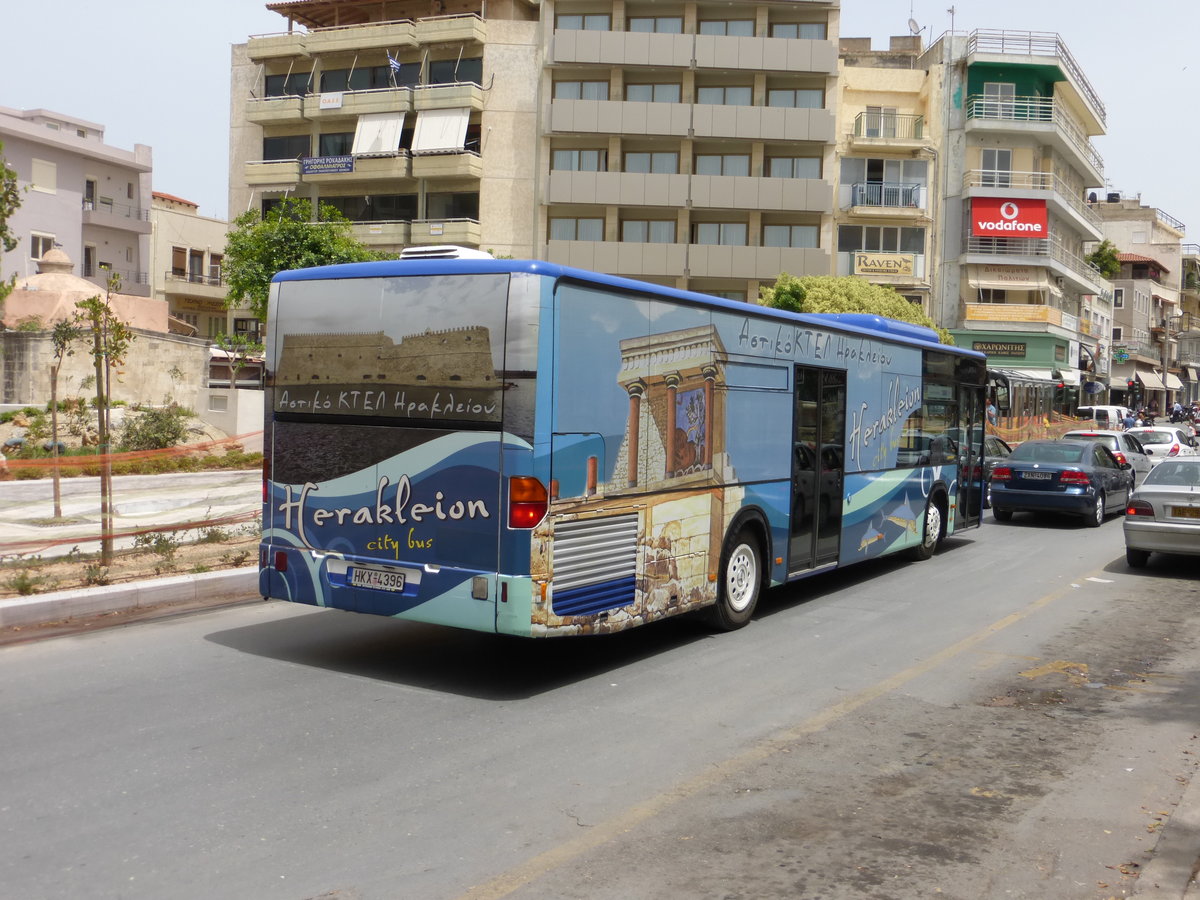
[(1017, 163), (186, 270), (1147, 315), (1189, 329), (79, 194), (688, 143), (889, 125)]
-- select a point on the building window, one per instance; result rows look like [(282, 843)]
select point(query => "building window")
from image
[(805, 236), (40, 244), (335, 144), (648, 231), (810, 31), (1117, 333), (998, 99), (594, 22), (794, 167), (576, 229), (456, 71), (993, 295), (452, 205), (657, 24), (579, 160), (732, 27), (728, 234), (292, 146), (883, 182), (798, 98), (293, 85), (1118, 298), (728, 295), (652, 93), (733, 95), (997, 167), (371, 78), (880, 239), (250, 328), (659, 163), (43, 176), (89, 260), (581, 90), (722, 164), (880, 121)]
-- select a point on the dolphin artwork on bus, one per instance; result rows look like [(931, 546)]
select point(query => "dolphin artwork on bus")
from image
[(556, 452)]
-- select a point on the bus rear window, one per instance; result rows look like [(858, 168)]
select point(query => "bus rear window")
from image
[(419, 347)]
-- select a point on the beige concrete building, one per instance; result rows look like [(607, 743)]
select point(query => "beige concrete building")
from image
[(691, 144), (188, 250), (888, 133)]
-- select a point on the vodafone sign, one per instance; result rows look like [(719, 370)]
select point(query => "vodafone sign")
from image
[(998, 217)]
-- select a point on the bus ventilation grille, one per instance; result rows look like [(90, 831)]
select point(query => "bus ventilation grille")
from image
[(595, 563)]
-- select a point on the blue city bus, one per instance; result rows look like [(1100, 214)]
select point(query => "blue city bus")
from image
[(520, 447)]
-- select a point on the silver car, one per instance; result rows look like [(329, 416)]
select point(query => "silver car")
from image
[(1164, 441), (1163, 515), (1125, 447)]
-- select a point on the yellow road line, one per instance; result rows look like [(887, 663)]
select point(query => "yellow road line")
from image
[(504, 884)]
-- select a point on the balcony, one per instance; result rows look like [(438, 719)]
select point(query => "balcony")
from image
[(460, 28), (1037, 43), (193, 284), (104, 213), (1085, 277), (463, 95), (357, 103), (1038, 185), (692, 260), (273, 172), (368, 168), (390, 36), (1037, 114), (462, 232), (1011, 313), (447, 165), (747, 123), (885, 198), (274, 110), (618, 188), (873, 130), (382, 235), (724, 52)]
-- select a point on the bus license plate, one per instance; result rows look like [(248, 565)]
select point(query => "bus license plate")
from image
[(379, 579), (1036, 476), (1186, 512)]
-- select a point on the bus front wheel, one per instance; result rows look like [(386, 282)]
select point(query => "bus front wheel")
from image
[(740, 581)]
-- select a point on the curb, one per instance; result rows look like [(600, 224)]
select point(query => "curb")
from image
[(1176, 855), (210, 587)]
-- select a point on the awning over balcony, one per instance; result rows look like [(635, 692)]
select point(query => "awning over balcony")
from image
[(1008, 278), (1172, 382), (1191, 374), (1152, 381), (440, 130), (378, 133)]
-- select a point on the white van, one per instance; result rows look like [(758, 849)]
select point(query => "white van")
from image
[(1111, 418)]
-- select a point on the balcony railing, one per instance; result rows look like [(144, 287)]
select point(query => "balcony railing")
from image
[(889, 125), (887, 194), (1044, 247), (121, 210), (1035, 43), (1170, 220), (1039, 110), (1031, 181), (193, 277)]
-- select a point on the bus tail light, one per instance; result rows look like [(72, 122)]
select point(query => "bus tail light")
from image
[(527, 502), (266, 477), (1139, 508), (1072, 476)]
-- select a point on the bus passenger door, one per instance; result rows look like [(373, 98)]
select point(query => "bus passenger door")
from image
[(818, 442), (971, 463)]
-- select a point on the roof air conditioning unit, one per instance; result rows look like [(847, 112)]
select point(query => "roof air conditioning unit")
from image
[(444, 251), (1114, 197)]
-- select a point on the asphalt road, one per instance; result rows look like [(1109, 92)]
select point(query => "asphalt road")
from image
[(1016, 717)]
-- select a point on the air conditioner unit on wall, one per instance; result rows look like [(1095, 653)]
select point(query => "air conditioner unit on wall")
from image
[(1060, 281)]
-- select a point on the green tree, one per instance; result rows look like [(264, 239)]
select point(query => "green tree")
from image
[(845, 294), (238, 349), (109, 338), (10, 199), (286, 238), (64, 335), (1105, 259)]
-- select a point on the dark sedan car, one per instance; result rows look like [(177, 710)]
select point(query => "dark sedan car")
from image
[(1069, 476)]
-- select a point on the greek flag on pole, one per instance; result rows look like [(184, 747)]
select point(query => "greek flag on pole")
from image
[(392, 62)]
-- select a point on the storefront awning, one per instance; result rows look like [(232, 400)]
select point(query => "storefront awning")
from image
[(1172, 382), (1037, 375), (1008, 278), (1152, 381)]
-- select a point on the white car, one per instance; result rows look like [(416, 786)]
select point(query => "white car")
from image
[(1164, 441), (1163, 515)]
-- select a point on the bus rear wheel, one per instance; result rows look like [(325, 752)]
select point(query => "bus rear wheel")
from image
[(740, 581), (931, 536)]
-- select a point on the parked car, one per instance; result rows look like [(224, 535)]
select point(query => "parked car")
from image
[(1104, 416), (1164, 441), (1067, 476), (1163, 515), (1125, 447), (995, 451)]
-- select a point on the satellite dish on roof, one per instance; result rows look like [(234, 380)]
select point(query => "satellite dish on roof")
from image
[(913, 27)]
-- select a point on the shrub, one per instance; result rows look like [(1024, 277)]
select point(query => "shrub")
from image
[(154, 429)]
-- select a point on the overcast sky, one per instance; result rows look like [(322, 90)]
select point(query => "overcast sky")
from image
[(157, 72)]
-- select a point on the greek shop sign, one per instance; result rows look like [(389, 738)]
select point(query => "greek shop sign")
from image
[(998, 217)]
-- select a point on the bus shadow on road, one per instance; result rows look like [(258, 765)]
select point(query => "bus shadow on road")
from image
[(498, 667), (438, 658)]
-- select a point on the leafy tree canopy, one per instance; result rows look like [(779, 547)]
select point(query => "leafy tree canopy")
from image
[(10, 199), (286, 238), (1105, 259), (845, 294)]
